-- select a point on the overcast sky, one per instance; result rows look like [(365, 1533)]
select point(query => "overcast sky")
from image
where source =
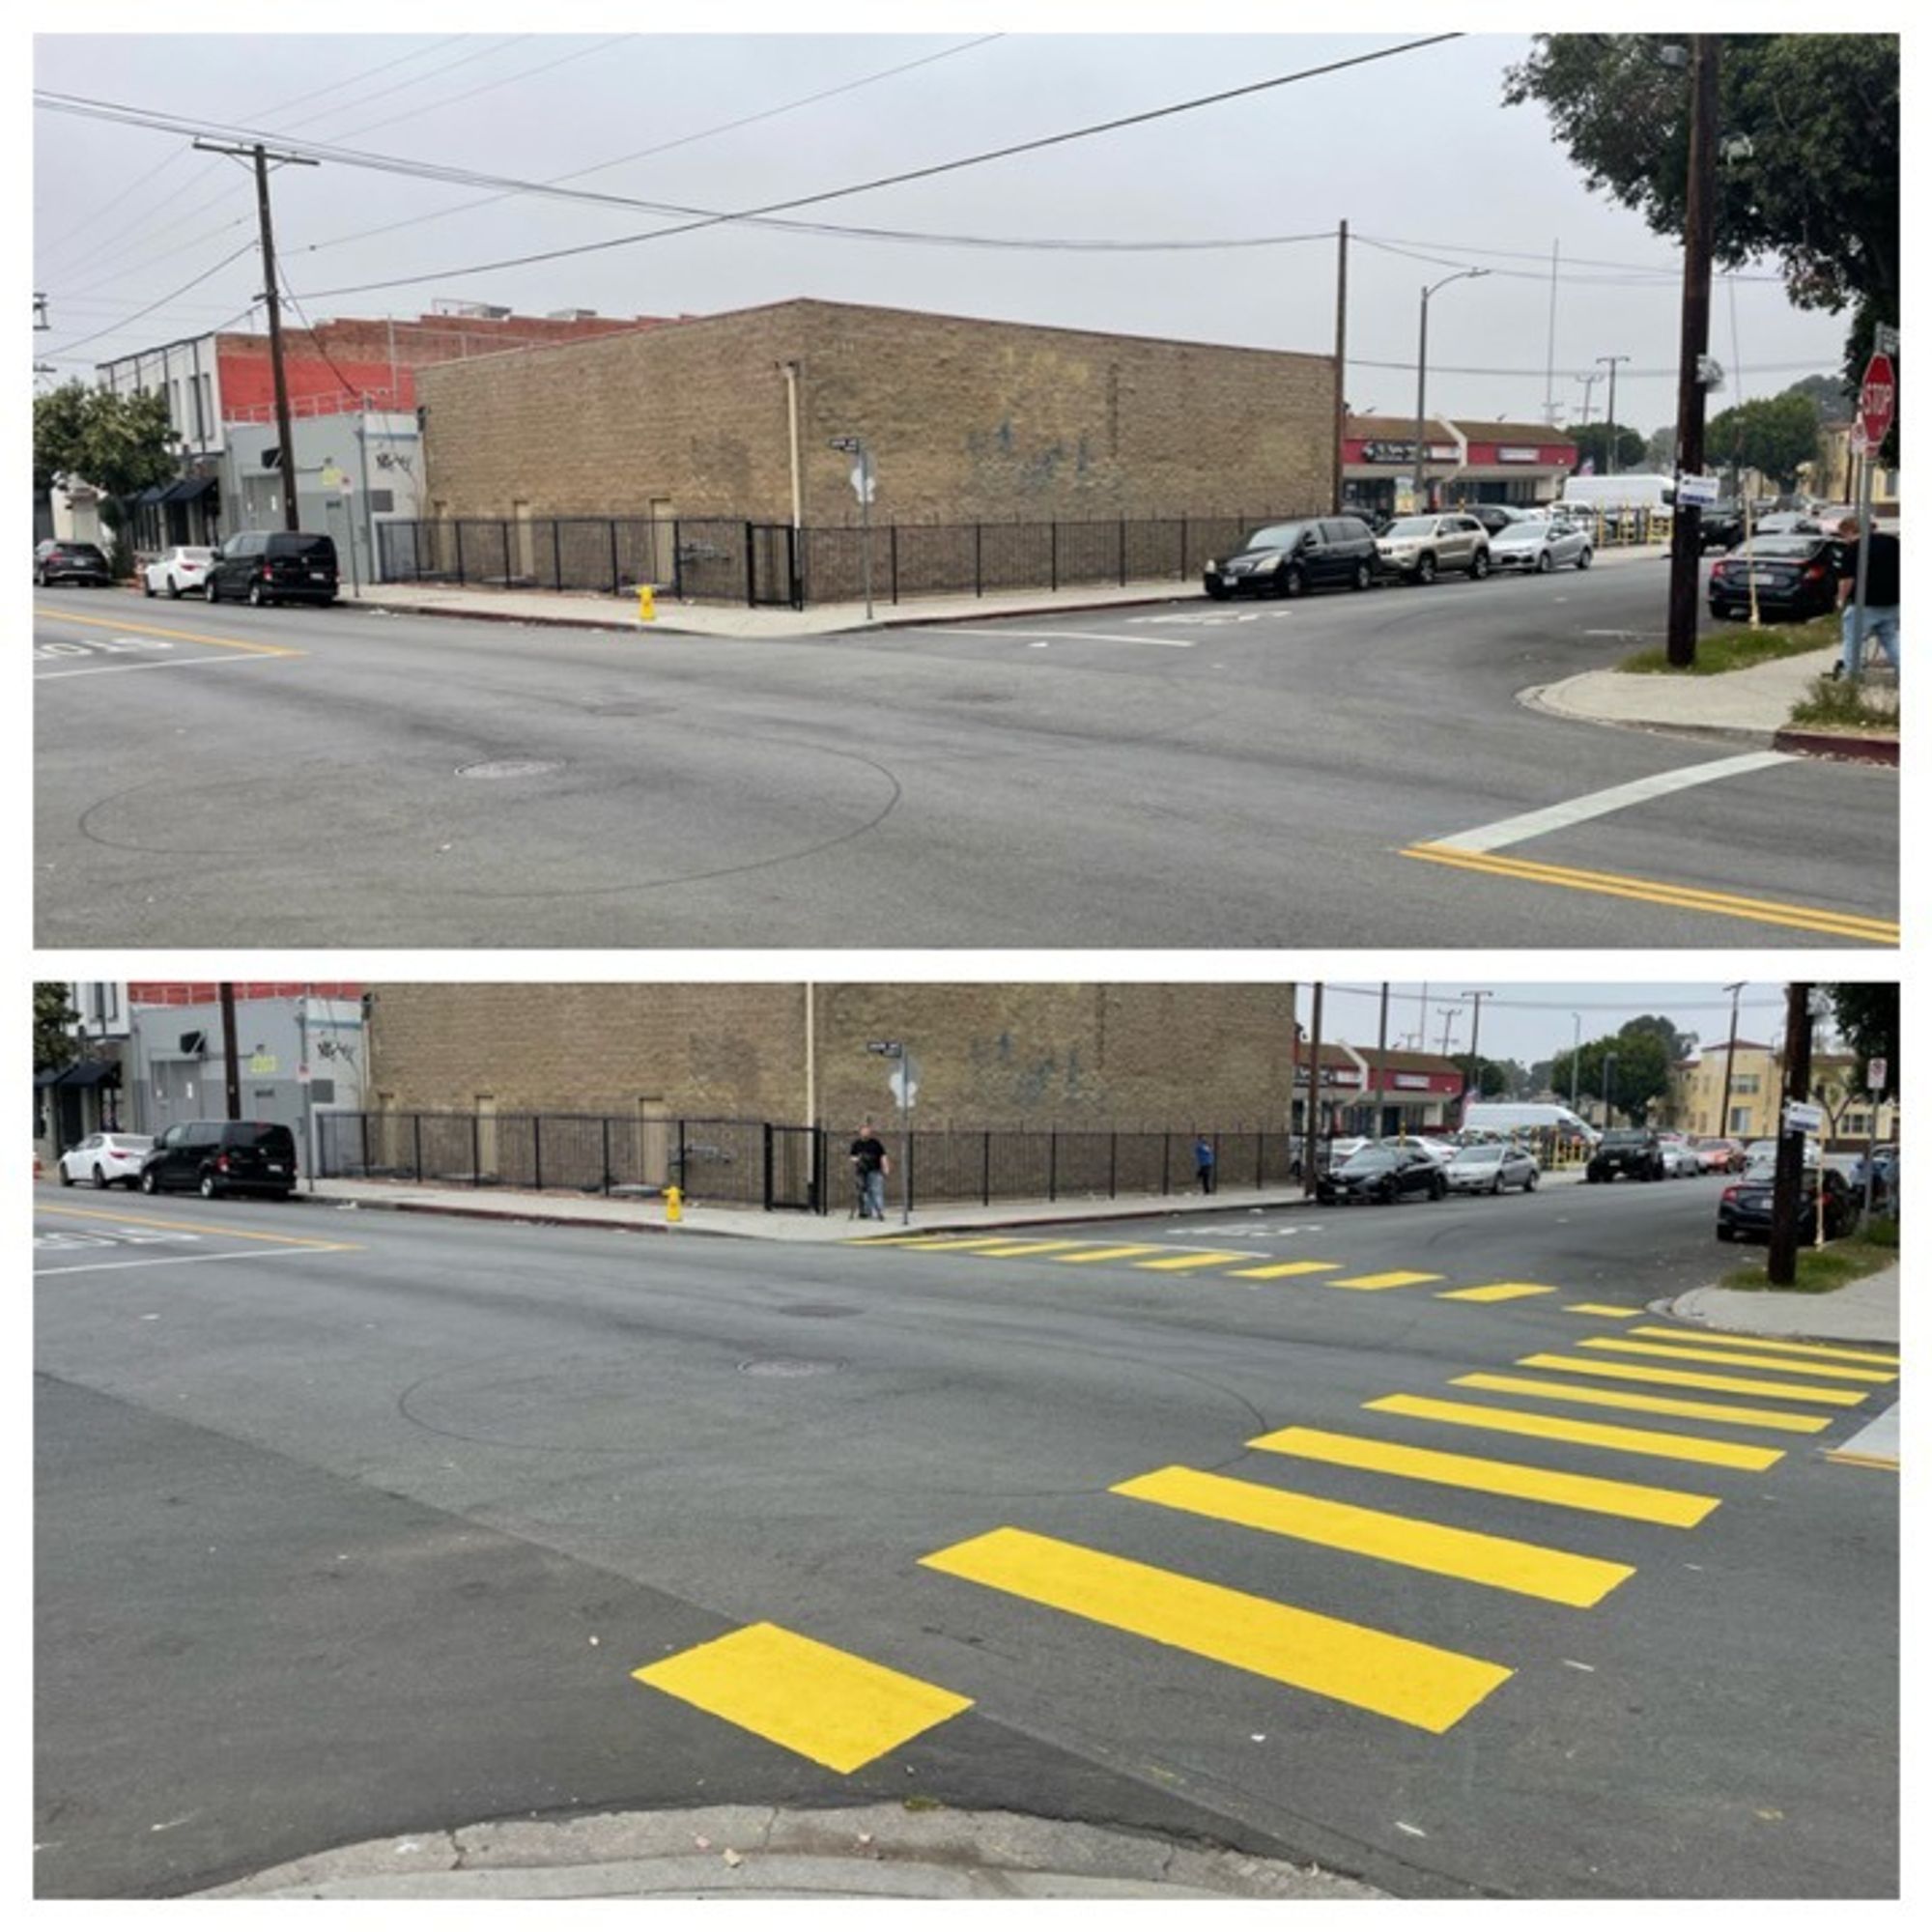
[(1416, 151), (1532, 1020)]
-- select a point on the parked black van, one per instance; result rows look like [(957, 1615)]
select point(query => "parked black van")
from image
[(223, 1157), (1284, 559), (273, 567)]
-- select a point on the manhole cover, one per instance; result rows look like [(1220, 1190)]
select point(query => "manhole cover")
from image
[(784, 1367), (509, 768)]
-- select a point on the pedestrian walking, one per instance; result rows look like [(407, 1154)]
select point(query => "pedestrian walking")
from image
[(1881, 597), (1204, 1163), (870, 1164)]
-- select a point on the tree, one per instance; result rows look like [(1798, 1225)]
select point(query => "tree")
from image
[(1593, 440), (1676, 1043), (1835, 402), (1490, 1078), (1808, 129), (121, 444), (1659, 451), (1867, 1015), (1771, 434), (1640, 1076), (54, 1046)]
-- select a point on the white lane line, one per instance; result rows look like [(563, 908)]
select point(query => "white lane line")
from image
[(1595, 804), (1077, 636), (159, 664), (176, 1260)]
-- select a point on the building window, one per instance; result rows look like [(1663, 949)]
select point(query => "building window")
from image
[(1741, 1120), (1744, 1083)]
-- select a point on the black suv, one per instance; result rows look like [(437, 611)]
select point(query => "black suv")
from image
[(1288, 559), (70, 564), (273, 566), (223, 1157), (1633, 1150)]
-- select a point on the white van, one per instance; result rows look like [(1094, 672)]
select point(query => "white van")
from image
[(1598, 495), (1526, 1117)]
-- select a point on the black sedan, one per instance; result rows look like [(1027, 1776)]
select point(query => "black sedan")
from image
[(1383, 1174), (1744, 1210), (70, 564), (1793, 576), (1285, 560)]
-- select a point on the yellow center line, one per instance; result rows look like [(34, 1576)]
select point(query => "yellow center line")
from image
[(182, 637), (1656, 891), (188, 1227)]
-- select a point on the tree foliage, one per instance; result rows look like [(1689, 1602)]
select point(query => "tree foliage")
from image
[(1593, 440), (1866, 1012), (1641, 1074), (1771, 434), (54, 1046), (121, 444), (1490, 1078), (1834, 400), (1809, 132)]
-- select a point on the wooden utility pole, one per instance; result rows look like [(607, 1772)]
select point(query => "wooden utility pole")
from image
[(1787, 1199), (1341, 358), (1311, 1159), (273, 296), (1699, 217), (230, 1058)]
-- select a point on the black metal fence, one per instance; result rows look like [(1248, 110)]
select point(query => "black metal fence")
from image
[(773, 1165), (726, 560)]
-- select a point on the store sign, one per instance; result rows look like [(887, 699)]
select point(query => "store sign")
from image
[(1509, 452), (1332, 1076), (1404, 452), (1409, 1080)]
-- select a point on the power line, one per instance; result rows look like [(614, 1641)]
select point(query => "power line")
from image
[(1641, 273), (68, 348)]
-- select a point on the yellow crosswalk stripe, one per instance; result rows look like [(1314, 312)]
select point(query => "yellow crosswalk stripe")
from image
[(1395, 1279), (1496, 1291), (1207, 1257), (1111, 1254), (1737, 1359), (935, 1240), (1394, 1676), (1278, 1270), (826, 1705), (1501, 1562), (1568, 1428), (1630, 1371), (1677, 1509), (1822, 1349), (1649, 1405), (1006, 1250), (1599, 1308)]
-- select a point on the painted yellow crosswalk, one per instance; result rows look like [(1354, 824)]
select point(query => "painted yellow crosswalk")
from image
[(1007, 1250), (1116, 1254), (1569, 1429), (1496, 1291), (1828, 1352), (1737, 1359), (837, 1710), (1614, 1309), (1631, 1372), (1647, 1404), (1501, 1562), (1204, 1258), (1394, 1278), (1413, 1683), (1527, 1482), (1285, 1270)]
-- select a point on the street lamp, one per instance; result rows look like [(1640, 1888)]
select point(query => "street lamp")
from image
[(1422, 376)]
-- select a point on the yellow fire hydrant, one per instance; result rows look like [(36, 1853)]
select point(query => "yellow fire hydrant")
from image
[(674, 1204), (647, 605)]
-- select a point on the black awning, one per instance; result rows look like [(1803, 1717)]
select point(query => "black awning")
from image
[(153, 494), (190, 488), (82, 1073), (48, 1076)]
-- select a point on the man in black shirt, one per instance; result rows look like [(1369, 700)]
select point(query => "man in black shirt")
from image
[(869, 1168), (1881, 597)]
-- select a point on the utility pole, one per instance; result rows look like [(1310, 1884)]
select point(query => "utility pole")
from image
[(1341, 356), (1611, 414), (1549, 345), (1587, 383), (1787, 1198), (1736, 991), (1475, 1074), (1448, 1021), (1699, 217), (231, 1061), (1381, 1062), (1576, 1056), (1310, 1164), (291, 512)]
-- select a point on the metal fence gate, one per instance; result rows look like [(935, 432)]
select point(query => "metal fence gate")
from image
[(795, 1168)]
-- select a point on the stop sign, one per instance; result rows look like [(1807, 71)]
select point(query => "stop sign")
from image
[(1877, 394)]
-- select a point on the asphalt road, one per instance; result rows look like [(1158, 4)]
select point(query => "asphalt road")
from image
[(352, 1525), (1195, 775)]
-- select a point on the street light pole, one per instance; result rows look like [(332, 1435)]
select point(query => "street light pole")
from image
[(1611, 416), (1422, 381), (1475, 1074), (1576, 1055)]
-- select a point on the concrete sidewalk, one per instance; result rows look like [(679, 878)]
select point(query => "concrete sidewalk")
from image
[(645, 1213), (1864, 1310)]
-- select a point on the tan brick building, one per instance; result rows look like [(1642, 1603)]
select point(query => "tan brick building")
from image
[(967, 420), (997, 1055), (1697, 1099)]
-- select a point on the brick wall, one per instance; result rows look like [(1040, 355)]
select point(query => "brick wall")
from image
[(967, 419), (988, 1055)]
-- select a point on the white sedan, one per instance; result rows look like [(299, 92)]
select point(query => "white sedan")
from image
[(1540, 544), (103, 1159), (184, 567)]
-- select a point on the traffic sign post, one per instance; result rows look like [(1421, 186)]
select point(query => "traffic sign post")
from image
[(864, 485), (903, 1080), (1878, 396)]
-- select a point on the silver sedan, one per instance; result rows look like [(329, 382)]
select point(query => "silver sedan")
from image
[(1540, 544), (1488, 1166)]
